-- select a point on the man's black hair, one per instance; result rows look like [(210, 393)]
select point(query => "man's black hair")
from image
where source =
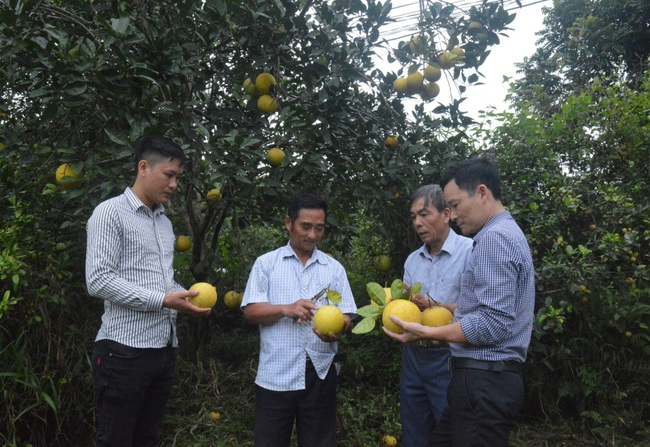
[(469, 174), (157, 149), (305, 200)]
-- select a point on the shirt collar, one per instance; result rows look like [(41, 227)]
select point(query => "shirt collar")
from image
[(135, 203), (448, 246), (316, 256), (495, 220)]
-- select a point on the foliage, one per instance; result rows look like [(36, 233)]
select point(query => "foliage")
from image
[(84, 80), (583, 41), (578, 185)]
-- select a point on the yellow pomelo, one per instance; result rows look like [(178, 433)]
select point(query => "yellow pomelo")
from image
[(267, 104), (66, 177), (207, 296), (388, 441), (415, 44), (432, 73), (264, 82), (275, 156), (329, 320), (400, 85), (414, 82), (446, 60), (430, 90), (459, 52), (214, 415), (214, 195), (249, 87), (392, 142), (436, 316), (232, 299), (183, 243), (402, 309)]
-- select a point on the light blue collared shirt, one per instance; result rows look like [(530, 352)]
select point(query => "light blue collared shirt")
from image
[(439, 274), (279, 278)]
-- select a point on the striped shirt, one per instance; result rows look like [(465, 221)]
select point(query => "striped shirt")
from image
[(439, 274), (497, 299), (129, 261), (279, 278)]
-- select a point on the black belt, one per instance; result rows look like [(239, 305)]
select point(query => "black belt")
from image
[(465, 363)]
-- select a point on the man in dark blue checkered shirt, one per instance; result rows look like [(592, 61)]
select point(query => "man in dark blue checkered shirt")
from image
[(493, 319)]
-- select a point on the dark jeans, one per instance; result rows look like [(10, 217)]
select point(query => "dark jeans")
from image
[(132, 386), (482, 409), (313, 409), (423, 388)]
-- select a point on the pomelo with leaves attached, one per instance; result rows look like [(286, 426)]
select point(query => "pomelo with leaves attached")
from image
[(405, 310)]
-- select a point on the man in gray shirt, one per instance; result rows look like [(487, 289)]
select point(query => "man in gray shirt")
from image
[(129, 259)]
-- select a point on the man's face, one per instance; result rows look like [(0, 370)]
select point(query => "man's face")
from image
[(159, 180), (466, 211), (306, 232), (430, 224)]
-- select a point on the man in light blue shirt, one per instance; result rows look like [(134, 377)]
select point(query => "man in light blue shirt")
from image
[(297, 376), (438, 266)]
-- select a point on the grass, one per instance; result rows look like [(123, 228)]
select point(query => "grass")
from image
[(223, 381)]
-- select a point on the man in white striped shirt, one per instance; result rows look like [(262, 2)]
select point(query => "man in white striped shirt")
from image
[(297, 376), (129, 265)]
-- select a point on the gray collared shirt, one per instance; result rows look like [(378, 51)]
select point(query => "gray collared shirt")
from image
[(129, 264)]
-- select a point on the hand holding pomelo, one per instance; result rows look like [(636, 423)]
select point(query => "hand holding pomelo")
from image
[(405, 310), (437, 316), (207, 296), (329, 320)]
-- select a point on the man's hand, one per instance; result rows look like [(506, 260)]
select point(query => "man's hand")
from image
[(412, 331), (178, 301), (421, 301), (301, 310), (329, 338)]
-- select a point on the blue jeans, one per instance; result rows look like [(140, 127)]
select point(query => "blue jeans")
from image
[(313, 409), (423, 392), (132, 386), (483, 406)]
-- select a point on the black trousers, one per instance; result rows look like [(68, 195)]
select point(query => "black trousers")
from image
[(132, 386), (483, 406), (313, 410)]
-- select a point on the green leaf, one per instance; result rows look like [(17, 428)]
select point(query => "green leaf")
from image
[(334, 296), (416, 288), (371, 311), (376, 293), (120, 25), (364, 326), (584, 250), (115, 138), (397, 289)]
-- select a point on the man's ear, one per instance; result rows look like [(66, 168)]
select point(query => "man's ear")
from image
[(287, 222), (483, 192), (142, 167)]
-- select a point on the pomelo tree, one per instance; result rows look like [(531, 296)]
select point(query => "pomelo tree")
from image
[(84, 80)]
